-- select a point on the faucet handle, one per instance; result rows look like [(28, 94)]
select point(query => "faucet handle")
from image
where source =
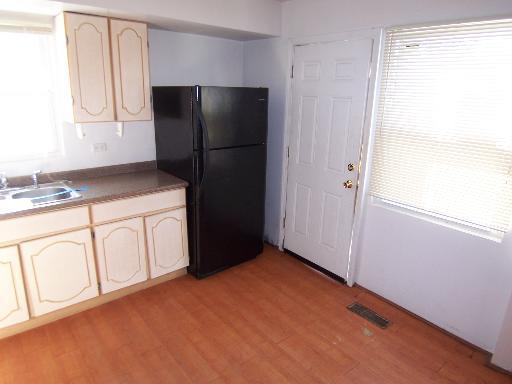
[(3, 180), (34, 178)]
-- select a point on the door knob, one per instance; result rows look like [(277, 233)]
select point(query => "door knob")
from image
[(348, 184)]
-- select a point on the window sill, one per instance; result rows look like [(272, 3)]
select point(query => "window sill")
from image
[(471, 229)]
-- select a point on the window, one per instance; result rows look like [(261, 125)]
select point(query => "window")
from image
[(27, 121), (443, 140)]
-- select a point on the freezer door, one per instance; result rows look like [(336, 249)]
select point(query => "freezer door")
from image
[(174, 125), (231, 208), (234, 116)]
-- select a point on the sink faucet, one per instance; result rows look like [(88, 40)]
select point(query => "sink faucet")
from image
[(34, 178), (3, 181)]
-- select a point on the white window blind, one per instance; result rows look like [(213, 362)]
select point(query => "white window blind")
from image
[(27, 110), (444, 125)]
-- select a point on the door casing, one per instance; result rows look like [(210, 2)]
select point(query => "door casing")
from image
[(368, 128)]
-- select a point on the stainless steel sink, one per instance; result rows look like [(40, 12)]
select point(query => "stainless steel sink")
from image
[(44, 194), (19, 199)]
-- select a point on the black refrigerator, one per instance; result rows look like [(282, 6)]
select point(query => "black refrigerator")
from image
[(215, 138)]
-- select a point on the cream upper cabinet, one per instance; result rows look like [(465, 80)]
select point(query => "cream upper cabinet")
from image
[(59, 271), (131, 70), (13, 303), (121, 254), (90, 75), (167, 241)]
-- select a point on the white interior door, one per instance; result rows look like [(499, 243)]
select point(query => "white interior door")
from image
[(329, 92)]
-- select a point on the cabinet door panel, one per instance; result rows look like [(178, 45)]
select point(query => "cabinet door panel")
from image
[(167, 242), (121, 254), (131, 71), (13, 304), (59, 271), (89, 67)]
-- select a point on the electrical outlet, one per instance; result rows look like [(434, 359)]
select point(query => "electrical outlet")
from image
[(99, 147)]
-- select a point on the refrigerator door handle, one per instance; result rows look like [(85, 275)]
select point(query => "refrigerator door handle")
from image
[(206, 144)]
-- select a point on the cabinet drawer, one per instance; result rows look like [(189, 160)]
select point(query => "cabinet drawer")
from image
[(41, 224), (136, 206)]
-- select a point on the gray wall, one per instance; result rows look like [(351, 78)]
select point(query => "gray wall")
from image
[(265, 65), (185, 59)]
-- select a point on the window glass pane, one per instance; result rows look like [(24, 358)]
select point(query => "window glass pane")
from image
[(27, 121)]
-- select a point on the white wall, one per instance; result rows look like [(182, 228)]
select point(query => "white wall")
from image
[(265, 65), (458, 281), (175, 59)]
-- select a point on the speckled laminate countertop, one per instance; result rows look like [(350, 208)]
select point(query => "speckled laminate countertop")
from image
[(104, 188)]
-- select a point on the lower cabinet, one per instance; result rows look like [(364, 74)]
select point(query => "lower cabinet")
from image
[(59, 271), (167, 241), (13, 303), (131, 243), (121, 254)]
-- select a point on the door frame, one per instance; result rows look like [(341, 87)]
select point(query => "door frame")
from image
[(377, 35)]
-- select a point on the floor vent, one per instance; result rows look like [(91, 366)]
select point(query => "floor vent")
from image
[(369, 315)]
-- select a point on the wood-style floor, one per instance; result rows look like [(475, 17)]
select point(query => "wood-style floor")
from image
[(272, 320)]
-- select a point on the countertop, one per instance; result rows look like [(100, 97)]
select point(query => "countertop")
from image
[(103, 188)]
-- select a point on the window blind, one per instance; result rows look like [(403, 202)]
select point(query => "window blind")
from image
[(443, 141)]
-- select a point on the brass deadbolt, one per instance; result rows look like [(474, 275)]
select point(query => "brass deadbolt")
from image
[(350, 167)]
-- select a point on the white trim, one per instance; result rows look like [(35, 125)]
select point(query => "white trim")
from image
[(376, 34), (366, 148), (286, 144)]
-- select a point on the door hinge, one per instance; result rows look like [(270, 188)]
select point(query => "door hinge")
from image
[(284, 221), (99, 285), (288, 152), (93, 234), (67, 40), (292, 72)]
